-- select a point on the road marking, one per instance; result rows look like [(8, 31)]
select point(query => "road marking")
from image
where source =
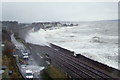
[(39, 55), (46, 56), (47, 62)]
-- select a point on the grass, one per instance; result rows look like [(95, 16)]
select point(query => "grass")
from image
[(9, 61), (5, 74), (45, 75), (52, 73), (20, 40)]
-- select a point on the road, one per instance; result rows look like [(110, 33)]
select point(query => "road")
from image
[(29, 64), (74, 67)]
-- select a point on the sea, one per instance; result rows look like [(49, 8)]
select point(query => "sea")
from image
[(97, 40)]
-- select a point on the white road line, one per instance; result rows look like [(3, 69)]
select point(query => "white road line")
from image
[(39, 55), (47, 62), (47, 57)]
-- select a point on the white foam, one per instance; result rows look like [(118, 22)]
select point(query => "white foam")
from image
[(90, 40), (37, 38)]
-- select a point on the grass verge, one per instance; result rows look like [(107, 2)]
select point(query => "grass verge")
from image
[(9, 61), (52, 73)]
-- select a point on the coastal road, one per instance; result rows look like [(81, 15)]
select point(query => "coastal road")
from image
[(29, 64)]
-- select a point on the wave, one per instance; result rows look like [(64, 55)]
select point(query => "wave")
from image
[(98, 38), (89, 40), (37, 38)]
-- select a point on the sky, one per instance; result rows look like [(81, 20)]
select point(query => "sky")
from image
[(59, 11)]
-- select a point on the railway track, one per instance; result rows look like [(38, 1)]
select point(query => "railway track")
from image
[(84, 70), (114, 73), (74, 66)]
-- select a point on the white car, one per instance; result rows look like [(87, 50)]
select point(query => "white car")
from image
[(29, 74), (24, 53), (25, 57)]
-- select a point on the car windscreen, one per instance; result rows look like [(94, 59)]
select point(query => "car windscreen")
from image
[(29, 74)]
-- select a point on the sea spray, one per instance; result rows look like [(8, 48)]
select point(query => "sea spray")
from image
[(37, 38)]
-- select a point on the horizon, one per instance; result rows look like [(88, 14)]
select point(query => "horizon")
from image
[(60, 21), (26, 12)]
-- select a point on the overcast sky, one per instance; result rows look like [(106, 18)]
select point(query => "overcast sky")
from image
[(58, 11)]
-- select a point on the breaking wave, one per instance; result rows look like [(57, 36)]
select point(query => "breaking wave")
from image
[(98, 41), (37, 38)]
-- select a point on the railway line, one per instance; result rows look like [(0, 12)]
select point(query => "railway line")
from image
[(114, 73), (73, 66), (79, 68)]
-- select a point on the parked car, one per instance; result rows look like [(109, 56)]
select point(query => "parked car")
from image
[(29, 74), (26, 57), (25, 54)]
